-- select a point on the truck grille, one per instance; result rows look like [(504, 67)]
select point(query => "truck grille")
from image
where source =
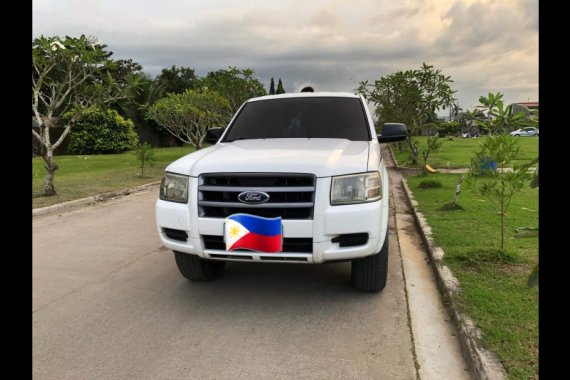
[(291, 196), (294, 245)]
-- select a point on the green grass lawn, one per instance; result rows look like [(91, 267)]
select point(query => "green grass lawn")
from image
[(81, 176), (493, 293), (458, 152)]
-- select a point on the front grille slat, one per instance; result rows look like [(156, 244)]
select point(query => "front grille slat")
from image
[(262, 205), (298, 189), (291, 195), (291, 245)]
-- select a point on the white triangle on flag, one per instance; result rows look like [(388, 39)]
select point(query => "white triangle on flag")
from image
[(233, 231)]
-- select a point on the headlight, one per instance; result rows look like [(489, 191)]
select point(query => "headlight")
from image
[(174, 188), (356, 188)]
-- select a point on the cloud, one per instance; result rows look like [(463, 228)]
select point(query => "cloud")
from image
[(331, 45)]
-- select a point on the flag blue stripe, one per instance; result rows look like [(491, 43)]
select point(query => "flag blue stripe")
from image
[(258, 224)]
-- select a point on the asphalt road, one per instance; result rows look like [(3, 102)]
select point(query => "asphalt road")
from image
[(109, 303)]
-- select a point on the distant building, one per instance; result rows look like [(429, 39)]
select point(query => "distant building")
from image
[(525, 107), (529, 105)]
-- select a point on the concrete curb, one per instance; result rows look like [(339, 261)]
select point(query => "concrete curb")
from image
[(93, 199), (483, 363)]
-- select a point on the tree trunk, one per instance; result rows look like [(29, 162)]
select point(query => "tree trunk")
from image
[(502, 230), (413, 150), (425, 155), (51, 167), (457, 190)]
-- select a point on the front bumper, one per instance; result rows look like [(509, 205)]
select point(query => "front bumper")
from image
[(328, 222)]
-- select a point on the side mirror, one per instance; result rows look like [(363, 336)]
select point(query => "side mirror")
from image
[(213, 135), (393, 132)]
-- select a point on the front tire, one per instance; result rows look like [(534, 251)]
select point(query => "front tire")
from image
[(369, 274), (195, 268)]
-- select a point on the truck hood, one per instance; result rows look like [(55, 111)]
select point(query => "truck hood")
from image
[(322, 157)]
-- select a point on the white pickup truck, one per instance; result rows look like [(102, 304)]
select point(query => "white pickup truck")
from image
[(311, 159)]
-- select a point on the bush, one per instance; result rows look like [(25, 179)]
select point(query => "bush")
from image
[(429, 184), (449, 128), (101, 132), (451, 206)]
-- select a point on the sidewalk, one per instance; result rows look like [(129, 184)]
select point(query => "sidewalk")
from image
[(482, 362)]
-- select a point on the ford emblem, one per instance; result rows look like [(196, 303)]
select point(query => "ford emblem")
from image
[(253, 197)]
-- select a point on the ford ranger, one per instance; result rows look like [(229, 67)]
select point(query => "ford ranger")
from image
[(310, 159)]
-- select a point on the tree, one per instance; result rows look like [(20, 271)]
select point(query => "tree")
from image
[(498, 186), (124, 71), (433, 145), (68, 74), (188, 116), (235, 85), (177, 79), (411, 97), (498, 118), (468, 121), (145, 155), (141, 97), (272, 87), (452, 206), (280, 89)]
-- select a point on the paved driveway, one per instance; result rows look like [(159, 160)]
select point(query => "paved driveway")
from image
[(109, 303)]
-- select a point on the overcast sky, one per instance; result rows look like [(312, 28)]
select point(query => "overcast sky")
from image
[(483, 45)]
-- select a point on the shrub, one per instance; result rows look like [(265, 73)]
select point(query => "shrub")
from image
[(449, 128), (429, 184), (99, 132)]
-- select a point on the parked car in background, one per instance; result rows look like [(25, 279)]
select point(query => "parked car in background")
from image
[(528, 131)]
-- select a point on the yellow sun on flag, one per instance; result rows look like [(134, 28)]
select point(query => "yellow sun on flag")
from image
[(234, 231)]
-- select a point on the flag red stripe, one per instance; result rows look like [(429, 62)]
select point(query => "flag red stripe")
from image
[(261, 243)]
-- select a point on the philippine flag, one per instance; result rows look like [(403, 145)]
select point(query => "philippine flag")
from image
[(254, 233)]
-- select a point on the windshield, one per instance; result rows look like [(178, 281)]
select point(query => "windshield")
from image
[(314, 117)]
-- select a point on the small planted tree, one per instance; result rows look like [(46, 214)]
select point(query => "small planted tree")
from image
[(452, 206), (188, 116), (500, 185), (272, 87), (145, 155), (433, 145)]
